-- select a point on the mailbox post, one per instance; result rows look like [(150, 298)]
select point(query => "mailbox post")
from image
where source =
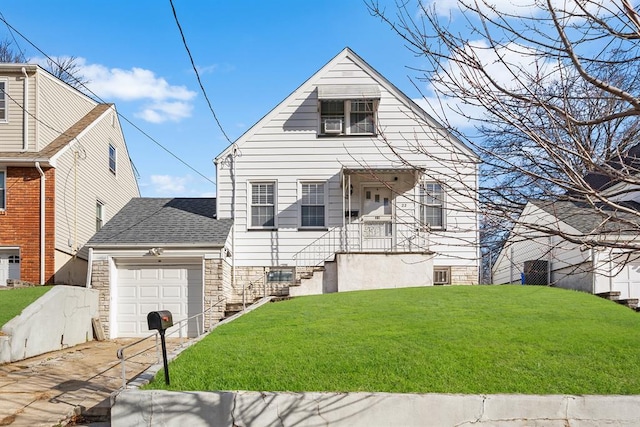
[(160, 321)]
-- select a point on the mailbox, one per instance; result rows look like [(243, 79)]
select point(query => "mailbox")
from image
[(160, 320)]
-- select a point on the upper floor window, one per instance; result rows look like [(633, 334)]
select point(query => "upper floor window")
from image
[(3, 101), (112, 158), (432, 205), (3, 189), (99, 215), (312, 202), (263, 204), (348, 117)]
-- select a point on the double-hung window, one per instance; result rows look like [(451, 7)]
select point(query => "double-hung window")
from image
[(3, 101), (263, 204), (312, 202), (432, 205)]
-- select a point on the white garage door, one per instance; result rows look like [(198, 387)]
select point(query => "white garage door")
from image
[(628, 281), (146, 288)]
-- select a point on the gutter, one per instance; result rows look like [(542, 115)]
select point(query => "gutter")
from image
[(42, 221)]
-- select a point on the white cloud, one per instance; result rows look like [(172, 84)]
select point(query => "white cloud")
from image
[(169, 185), (162, 101)]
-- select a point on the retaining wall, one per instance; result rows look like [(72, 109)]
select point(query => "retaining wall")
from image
[(59, 319), (156, 407)]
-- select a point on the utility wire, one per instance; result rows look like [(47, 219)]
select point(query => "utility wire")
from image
[(195, 69), (98, 98), (14, 39)]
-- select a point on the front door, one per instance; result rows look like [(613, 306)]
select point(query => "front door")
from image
[(377, 225)]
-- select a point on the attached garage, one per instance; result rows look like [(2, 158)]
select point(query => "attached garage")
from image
[(161, 254), (627, 282), (141, 289)]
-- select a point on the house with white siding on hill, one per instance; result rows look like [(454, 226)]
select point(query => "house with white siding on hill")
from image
[(345, 185)]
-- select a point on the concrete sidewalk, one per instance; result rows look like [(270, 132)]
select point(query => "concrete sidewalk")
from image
[(53, 388)]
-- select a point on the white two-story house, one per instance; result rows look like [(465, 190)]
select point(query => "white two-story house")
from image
[(349, 178)]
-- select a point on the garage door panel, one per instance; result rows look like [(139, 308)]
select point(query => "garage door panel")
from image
[(146, 288)]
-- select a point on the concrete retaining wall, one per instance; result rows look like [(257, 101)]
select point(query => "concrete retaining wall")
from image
[(151, 408), (60, 318)]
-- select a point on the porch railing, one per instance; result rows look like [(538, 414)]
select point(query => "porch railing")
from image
[(363, 236)]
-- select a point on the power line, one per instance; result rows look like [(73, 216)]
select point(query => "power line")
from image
[(98, 98), (195, 69), (14, 39)]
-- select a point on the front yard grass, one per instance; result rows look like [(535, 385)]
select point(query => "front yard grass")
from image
[(454, 339), (13, 301)]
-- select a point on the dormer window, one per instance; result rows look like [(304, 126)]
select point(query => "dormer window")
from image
[(348, 110)]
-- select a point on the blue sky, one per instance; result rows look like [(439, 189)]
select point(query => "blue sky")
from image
[(251, 55)]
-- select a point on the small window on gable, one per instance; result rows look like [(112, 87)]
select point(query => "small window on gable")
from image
[(3, 101), (112, 158), (348, 117)]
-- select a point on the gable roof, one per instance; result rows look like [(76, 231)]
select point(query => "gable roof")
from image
[(62, 141), (583, 217), (379, 78), (164, 221)]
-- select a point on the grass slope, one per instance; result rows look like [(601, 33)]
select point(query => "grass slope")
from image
[(13, 301), (455, 339)]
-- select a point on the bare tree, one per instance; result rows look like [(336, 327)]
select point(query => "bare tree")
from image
[(67, 69), (8, 54), (552, 93)]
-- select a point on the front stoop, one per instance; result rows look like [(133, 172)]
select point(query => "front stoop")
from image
[(614, 296)]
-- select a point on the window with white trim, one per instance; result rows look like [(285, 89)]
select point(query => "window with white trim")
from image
[(312, 203), (263, 204), (441, 275), (3, 189), (432, 205), (99, 215), (113, 155), (348, 117), (4, 117)]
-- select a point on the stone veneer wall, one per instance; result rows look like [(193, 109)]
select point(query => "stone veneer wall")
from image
[(464, 276), (100, 282), (213, 292)]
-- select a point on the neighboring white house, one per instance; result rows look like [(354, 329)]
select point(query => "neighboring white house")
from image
[(532, 256), (349, 176)]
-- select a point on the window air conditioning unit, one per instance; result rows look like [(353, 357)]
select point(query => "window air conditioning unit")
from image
[(333, 126)]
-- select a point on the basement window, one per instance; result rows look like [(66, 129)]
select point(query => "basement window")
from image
[(441, 275), (280, 275)]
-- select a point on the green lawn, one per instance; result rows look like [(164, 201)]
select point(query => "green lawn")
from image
[(454, 339), (13, 301)]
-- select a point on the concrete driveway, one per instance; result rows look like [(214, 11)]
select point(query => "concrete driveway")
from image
[(52, 389)]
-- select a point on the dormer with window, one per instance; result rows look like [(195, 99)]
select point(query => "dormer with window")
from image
[(348, 109)]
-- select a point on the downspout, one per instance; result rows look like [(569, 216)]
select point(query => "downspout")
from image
[(25, 114), (42, 221), (233, 217), (89, 268)]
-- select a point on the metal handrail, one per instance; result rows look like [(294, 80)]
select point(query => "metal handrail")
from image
[(121, 351)]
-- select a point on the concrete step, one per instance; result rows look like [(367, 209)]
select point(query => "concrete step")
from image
[(611, 295), (629, 302)]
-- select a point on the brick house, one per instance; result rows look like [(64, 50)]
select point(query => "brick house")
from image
[(64, 170)]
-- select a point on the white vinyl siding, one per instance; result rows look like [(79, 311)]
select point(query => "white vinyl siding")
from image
[(285, 147)]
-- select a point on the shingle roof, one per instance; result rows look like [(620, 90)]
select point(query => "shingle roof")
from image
[(164, 221), (587, 219), (63, 139)]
